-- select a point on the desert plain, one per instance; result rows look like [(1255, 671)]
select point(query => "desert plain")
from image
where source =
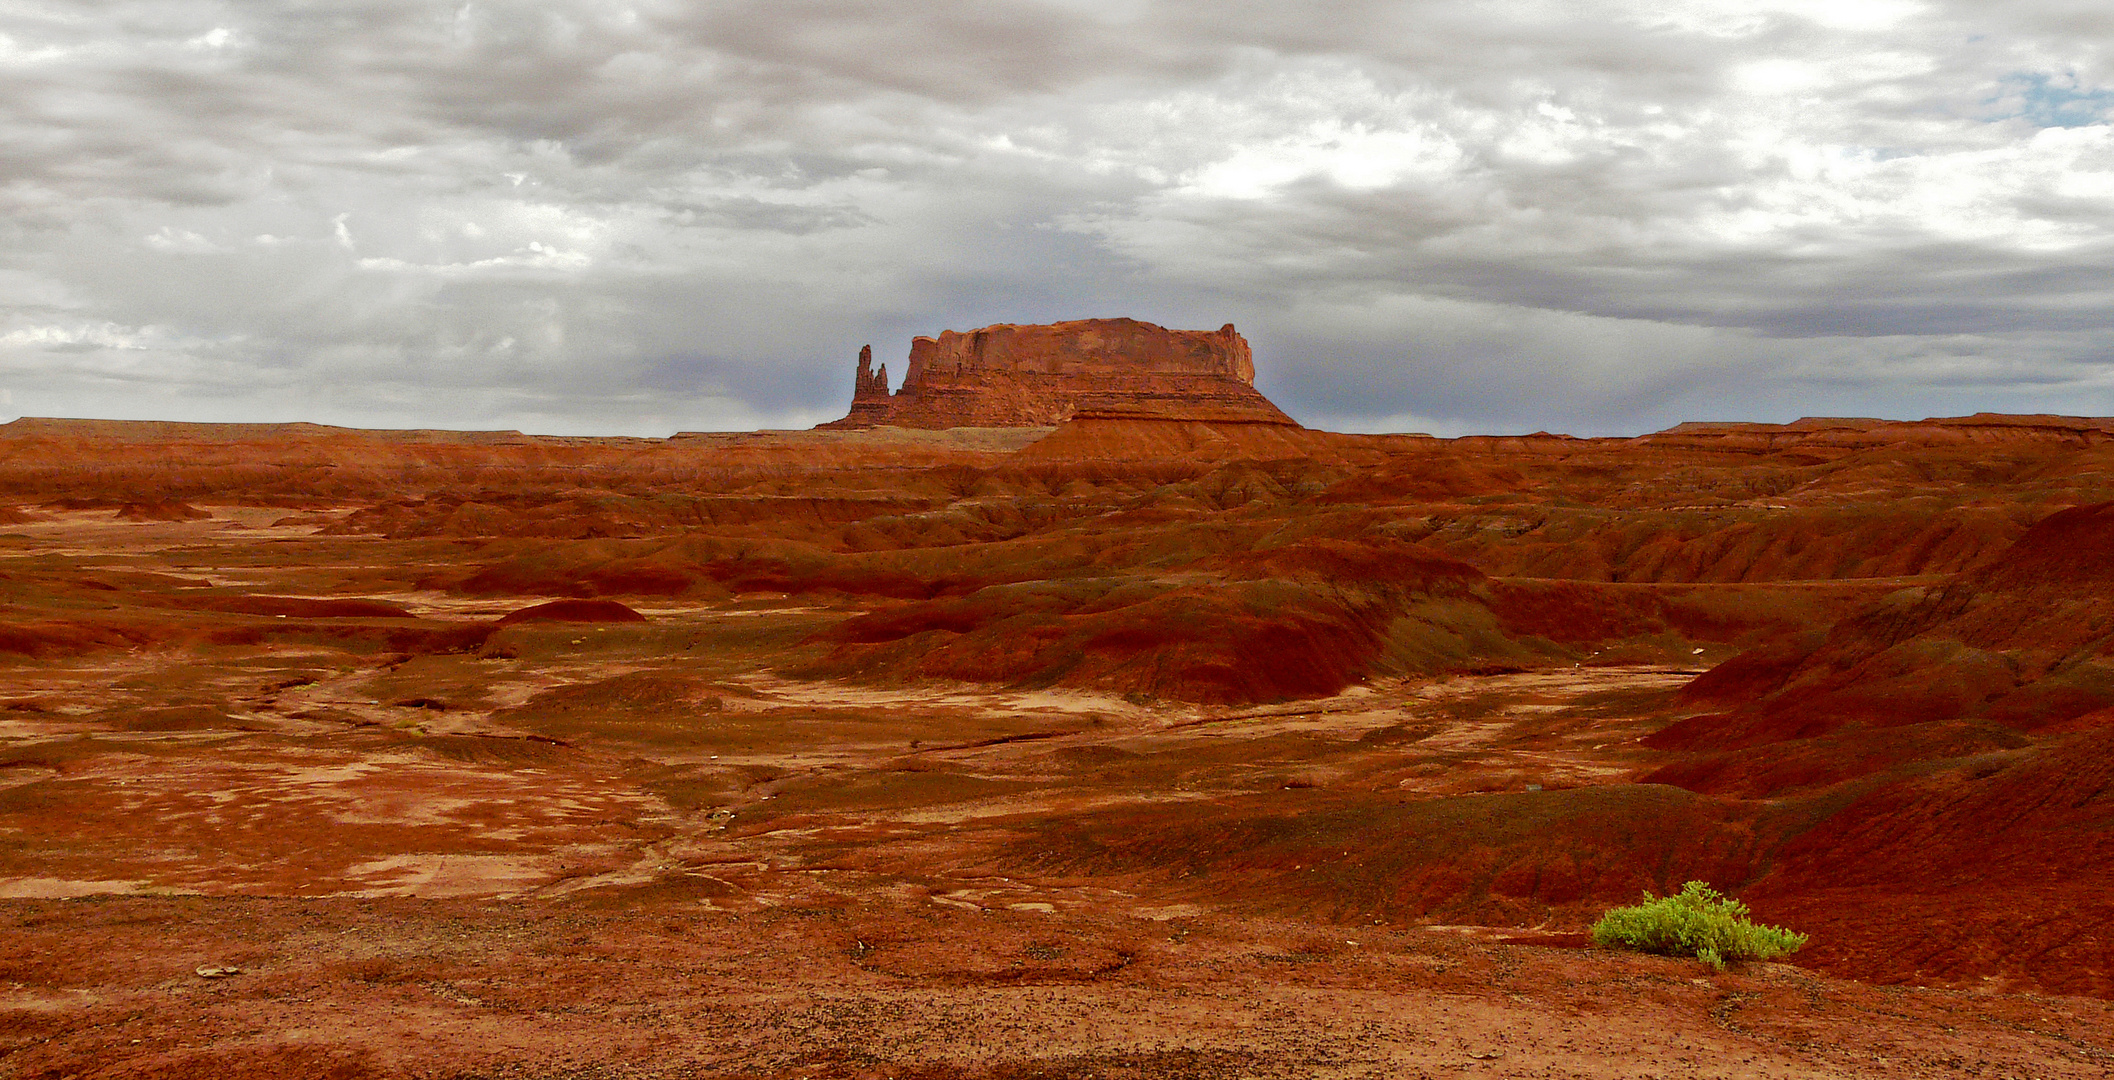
[(1122, 747)]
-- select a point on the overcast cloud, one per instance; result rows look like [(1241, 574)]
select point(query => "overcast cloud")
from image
[(1451, 216)]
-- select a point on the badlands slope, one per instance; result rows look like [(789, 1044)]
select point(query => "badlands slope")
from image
[(1123, 747)]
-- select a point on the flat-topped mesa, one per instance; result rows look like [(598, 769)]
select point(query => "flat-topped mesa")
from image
[(1036, 376)]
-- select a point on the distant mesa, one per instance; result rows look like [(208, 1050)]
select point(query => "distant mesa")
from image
[(1037, 376)]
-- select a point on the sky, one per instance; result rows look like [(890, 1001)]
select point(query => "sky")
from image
[(1449, 216)]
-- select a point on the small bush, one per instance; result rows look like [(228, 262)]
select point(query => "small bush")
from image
[(1700, 922)]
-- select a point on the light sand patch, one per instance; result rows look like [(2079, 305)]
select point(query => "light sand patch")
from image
[(1030, 803), (51, 888), (952, 695), (24, 1000), (17, 775), (443, 876)]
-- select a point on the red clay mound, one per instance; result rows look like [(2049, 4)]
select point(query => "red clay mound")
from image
[(2038, 815), (696, 568), (2023, 641), (1951, 754), (1738, 543), (291, 607), (1227, 643), (2072, 548), (1994, 867), (574, 516), (589, 611), (1779, 768), (1349, 563), (1435, 476), (48, 639), (1517, 859), (161, 510), (1208, 615), (590, 568), (1300, 620), (1123, 437), (2014, 937), (53, 638), (413, 637)]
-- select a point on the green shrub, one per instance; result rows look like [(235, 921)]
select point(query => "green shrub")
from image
[(1698, 922)]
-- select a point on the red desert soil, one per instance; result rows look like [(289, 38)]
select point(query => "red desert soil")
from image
[(1134, 747)]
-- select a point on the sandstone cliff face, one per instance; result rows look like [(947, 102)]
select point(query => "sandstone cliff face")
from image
[(1035, 376)]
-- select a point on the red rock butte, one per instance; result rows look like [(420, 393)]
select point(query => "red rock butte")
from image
[(1036, 376)]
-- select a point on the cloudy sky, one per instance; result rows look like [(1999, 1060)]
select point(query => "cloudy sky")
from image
[(1440, 215)]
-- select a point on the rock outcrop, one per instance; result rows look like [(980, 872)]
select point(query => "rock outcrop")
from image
[(1036, 376), (870, 399)]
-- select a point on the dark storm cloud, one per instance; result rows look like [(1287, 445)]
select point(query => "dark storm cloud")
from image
[(645, 217)]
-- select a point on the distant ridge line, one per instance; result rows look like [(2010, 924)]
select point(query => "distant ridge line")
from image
[(1823, 428)]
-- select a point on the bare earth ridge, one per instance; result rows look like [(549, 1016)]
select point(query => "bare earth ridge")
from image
[(1121, 746)]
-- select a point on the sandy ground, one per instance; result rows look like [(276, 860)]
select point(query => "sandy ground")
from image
[(639, 850), (652, 987)]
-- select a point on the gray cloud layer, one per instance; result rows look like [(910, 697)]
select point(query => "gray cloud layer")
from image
[(1445, 216)]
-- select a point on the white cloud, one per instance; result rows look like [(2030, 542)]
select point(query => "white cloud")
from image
[(1514, 214), (171, 239), (14, 52), (219, 37), (536, 256)]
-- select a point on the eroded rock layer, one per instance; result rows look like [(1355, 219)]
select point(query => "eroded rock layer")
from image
[(1034, 376), (1126, 667)]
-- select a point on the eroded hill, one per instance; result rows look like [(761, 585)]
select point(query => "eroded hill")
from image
[(1147, 681)]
